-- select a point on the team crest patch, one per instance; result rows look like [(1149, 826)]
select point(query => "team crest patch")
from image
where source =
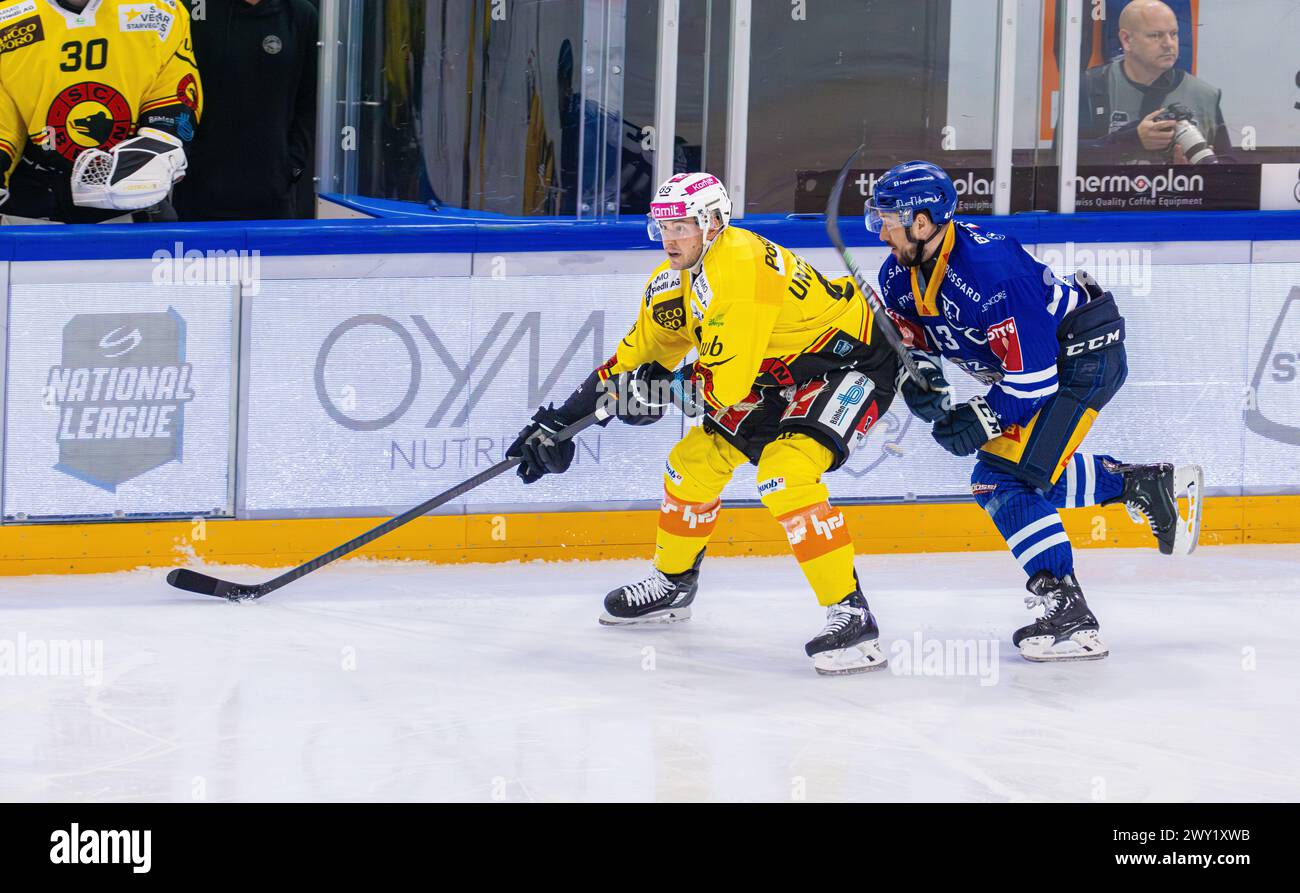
[(87, 116), (1005, 342), (187, 91), (842, 348)]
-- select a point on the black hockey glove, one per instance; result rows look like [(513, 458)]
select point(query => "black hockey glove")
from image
[(643, 395), (539, 453), (934, 404), (967, 428)]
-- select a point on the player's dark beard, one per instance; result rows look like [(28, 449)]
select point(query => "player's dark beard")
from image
[(914, 255)]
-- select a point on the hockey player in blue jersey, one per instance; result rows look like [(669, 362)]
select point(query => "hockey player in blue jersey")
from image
[(1052, 352)]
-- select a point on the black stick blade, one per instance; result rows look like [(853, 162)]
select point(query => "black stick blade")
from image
[(193, 581)]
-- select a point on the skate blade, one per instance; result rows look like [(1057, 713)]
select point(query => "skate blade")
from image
[(670, 615), (1085, 645), (1189, 480), (860, 658)]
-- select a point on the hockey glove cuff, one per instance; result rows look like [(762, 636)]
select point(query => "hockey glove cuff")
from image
[(967, 428), (934, 403), (642, 396)]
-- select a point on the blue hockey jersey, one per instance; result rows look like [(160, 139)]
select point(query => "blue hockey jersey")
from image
[(990, 307)]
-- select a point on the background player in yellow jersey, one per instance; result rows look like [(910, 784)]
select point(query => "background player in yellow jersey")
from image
[(791, 372), (97, 101)]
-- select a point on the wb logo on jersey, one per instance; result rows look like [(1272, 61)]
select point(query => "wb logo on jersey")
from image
[(120, 393)]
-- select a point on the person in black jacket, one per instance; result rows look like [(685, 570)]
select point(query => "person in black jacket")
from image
[(258, 61)]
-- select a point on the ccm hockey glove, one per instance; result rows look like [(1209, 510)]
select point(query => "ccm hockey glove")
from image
[(933, 404), (137, 173), (967, 428)]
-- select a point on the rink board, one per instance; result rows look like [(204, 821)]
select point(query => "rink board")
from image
[(570, 536), (244, 376)]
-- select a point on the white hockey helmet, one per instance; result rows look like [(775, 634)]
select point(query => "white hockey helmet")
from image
[(698, 196)]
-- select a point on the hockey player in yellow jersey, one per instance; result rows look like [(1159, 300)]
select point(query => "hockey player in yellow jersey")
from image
[(97, 101), (790, 374)]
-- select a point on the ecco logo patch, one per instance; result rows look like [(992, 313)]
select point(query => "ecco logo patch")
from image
[(670, 314), (21, 34)]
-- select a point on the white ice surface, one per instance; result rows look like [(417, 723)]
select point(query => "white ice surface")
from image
[(373, 681)]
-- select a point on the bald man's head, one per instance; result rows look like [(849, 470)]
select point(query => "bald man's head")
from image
[(1148, 30)]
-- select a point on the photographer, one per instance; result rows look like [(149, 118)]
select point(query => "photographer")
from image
[(1140, 108)]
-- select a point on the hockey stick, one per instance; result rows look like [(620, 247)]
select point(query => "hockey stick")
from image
[(887, 325), (193, 581)]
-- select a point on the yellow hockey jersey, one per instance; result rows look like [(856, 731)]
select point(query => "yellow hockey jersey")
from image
[(757, 314), (70, 81)]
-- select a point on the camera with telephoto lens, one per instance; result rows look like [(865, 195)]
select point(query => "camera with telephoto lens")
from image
[(1187, 135)]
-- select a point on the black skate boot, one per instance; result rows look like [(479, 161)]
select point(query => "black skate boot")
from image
[(1151, 495), (660, 598), (850, 641), (1067, 630)]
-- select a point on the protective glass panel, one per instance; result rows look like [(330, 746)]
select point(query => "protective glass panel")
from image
[(911, 81), (1188, 106)]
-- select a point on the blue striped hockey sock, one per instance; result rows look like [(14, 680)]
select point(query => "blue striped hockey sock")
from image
[(1026, 520), (1086, 481)]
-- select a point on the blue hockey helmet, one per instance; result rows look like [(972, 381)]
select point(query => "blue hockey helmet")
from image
[(910, 187)]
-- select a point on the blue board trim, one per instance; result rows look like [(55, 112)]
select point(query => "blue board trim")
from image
[(459, 232)]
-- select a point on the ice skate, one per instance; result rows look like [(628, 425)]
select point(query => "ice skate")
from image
[(659, 598), (850, 641), (1151, 495), (1067, 630)]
